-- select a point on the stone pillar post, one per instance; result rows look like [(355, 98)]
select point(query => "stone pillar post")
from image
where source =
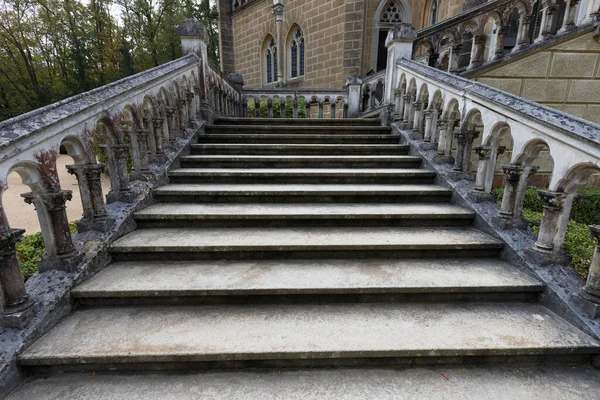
[(522, 188), (402, 102), (501, 35), (295, 108), (270, 108), (142, 141), (471, 136), (417, 117), (399, 43), (449, 136), (428, 125), (553, 207), (407, 102), (278, 11), (14, 298), (307, 105), (353, 84), (478, 51), (180, 114), (159, 136), (198, 94), (397, 103), (332, 106), (524, 39), (546, 26), (484, 153), (125, 194), (320, 109), (513, 174), (461, 141), (568, 22), (443, 127), (170, 111), (61, 253), (95, 216), (591, 290), (456, 48), (190, 102)]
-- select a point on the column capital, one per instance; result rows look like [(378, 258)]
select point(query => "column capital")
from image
[(512, 172), (552, 200), (88, 169), (428, 113), (461, 136), (442, 124), (8, 240), (54, 201), (483, 152)]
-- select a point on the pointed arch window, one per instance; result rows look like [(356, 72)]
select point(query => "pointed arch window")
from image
[(297, 54), (271, 61)]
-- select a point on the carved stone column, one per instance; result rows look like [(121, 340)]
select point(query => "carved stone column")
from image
[(523, 34), (568, 22), (158, 124), (407, 102), (15, 300), (456, 48), (417, 117), (513, 174), (198, 98), (180, 115), (190, 103), (449, 135), (124, 194), (278, 12), (270, 108), (522, 188), (553, 207), (397, 103), (501, 35), (591, 290), (142, 141), (478, 51), (546, 26), (61, 253), (428, 125), (95, 216), (443, 127), (172, 123), (471, 136), (461, 141), (484, 153)]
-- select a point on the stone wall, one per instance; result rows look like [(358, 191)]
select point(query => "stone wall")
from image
[(339, 36), (565, 76)]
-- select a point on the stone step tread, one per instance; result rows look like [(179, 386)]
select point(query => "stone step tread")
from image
[(308, 128), (303, 210), (284, 146), (298, 121), (269, 332), (321, 238), (448, 383), (300, 157), (303, 171), (271, 277), (296, 189), (284, 136)]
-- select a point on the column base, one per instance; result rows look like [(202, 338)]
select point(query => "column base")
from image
[(504, 222), (477, 196), (19, 318), (442, 159), (547, 258), (590, 304), (428, 146), (101, 225), (66, 263)]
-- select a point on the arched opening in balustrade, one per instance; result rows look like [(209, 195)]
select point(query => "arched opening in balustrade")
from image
[(312, 107), (540, 24), (114, 149), (583, 174), (325, 108), (366, 97), (340, 109), (464, 56), (500, 143), (426, 53), (512, 33), (165, 103), (536, 153), (291, 110), (436, 105), (450, 120), (490, 30), (303, 106), (387, 14), (473, 128), (137, 139), (148, 116)]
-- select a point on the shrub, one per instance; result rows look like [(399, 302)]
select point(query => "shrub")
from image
[(531, 202), (586, 209), (31, 249)]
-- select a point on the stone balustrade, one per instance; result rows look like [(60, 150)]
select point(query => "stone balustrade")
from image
[(372, 92), (130, 124), (454, 116), (496, 29), (318, 103)]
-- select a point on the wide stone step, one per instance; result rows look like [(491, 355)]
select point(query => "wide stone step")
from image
[(198, 282), (447, 382), (301, 175), (301, 193), (299, 129), (300, 149), (155, 337), (298, 121), (303, 214), (312, 242), (273, 161), (299, 138)]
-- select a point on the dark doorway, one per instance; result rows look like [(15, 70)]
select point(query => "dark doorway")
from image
[(382, 52)]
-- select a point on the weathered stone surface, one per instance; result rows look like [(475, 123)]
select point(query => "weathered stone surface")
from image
[(444, 383), (508, 85), (573, 65), (545, 90)]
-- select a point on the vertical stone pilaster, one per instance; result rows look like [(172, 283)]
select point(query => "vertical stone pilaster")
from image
[(354, 24), (353, 83), (568, 22), (461, 141), (484, 153), (14, 296), (456, 48), (428, 115), (477, 51), (443, 127), (95, 216), (416, 121), (278, 11), (499, 50)]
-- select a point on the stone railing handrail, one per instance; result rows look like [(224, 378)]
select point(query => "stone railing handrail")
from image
[(370, 79), (26, 125), (459, 18), (557, 120)]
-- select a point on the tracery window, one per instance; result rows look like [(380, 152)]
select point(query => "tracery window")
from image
[(433, 13), (271, 61), (392, 14), (297, 54)]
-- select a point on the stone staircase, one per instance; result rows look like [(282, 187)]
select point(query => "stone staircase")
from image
[(290, 245)]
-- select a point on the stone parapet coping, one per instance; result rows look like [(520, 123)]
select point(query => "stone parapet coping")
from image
[(51, 290)]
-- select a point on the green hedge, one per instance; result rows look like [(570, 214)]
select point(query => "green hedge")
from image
[(289, 109), (31, 249)]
